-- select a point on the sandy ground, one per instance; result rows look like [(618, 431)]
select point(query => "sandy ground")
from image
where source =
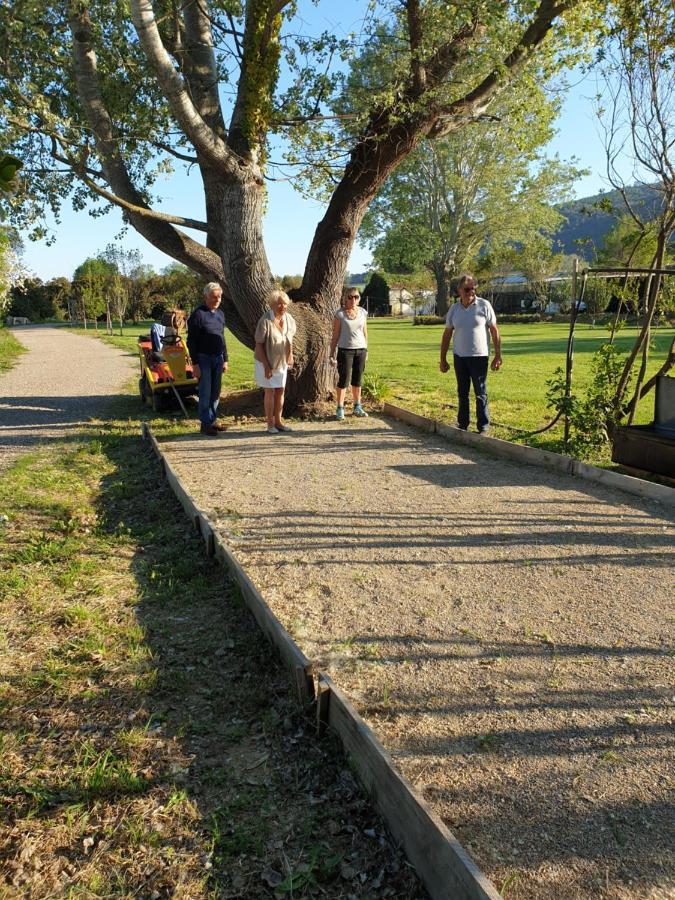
[(504, 629), (63, 381)]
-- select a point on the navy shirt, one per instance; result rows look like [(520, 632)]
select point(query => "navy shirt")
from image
[(205, 332)]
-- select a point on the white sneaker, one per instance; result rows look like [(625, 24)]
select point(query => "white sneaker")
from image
[(272, 430)]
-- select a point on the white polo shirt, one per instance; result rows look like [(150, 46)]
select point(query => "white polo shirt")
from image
[(471, 323)]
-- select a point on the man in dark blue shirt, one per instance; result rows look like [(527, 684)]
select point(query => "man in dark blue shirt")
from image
[(208, 352)]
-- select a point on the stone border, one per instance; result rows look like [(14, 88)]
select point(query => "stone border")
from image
[(442, 863), (532, 456)]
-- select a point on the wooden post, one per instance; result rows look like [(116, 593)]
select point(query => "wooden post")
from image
[(322, 702), (569, 363)]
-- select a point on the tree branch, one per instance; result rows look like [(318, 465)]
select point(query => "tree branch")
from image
[(259, 69), (144, 211), (200, 68), (206, 141), (418, 71), (475, 103), (160, 234), (167, 148)]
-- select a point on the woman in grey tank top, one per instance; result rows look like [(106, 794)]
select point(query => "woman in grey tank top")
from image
[(349, 350)]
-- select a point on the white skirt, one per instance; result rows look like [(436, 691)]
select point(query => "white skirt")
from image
[(278, 379)]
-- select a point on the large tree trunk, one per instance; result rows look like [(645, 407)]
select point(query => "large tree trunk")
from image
[(442, 275), (312, 378), (236, 222), (236, 227)]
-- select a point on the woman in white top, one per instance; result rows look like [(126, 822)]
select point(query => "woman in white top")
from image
[(350, 338), (274, 356)]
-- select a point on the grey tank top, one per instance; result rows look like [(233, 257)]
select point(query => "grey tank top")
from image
[(351, 330)]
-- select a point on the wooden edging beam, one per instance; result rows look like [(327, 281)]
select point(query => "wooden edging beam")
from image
[(533, 456), (289, 652), (442, 863)]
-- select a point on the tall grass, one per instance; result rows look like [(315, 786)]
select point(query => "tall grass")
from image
[(10, 349)]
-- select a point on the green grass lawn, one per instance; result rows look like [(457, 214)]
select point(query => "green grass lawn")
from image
[(405, 357), (405, 360), (10, 349)]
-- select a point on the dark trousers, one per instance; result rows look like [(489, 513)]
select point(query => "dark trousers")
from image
[(472, 370), (351, 365), (209, 386)]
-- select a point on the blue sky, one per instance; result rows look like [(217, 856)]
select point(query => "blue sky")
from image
[(291, 220)]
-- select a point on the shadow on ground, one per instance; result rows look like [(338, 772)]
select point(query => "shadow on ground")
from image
[(275, 805)]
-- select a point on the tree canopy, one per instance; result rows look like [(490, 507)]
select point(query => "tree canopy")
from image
[(99, 99), (478, 191)]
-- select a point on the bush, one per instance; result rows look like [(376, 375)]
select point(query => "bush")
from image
[(375, 387), (665, 304), (428, 320), (593, 418)]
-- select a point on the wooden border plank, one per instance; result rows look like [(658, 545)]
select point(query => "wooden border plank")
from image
[(444, 866), (442, 863), (288, 650), (533, 456), (290, 653), (322, 704), (411, 418)]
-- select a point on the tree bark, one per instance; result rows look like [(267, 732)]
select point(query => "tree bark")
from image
[(442, 275), (312, 378)]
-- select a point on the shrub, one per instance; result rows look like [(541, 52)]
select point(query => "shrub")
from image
[(593, 418)]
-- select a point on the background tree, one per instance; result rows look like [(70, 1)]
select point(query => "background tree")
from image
[(12, 271), (99, 106), (538, 262), (36, 300), (177, 287), (291, 282), (126, 270), (639, 121), (88, 295), (140, 292), (628, 244), (376, 295), (475, 191)]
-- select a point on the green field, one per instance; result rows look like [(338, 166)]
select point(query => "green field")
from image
[(405, 360), (406, 357), (10, 349)]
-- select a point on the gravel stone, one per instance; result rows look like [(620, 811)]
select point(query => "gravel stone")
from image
[(504, 629), (63, 381)]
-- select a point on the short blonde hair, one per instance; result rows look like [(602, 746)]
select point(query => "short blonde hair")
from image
[(274, 296), (211, 287), (346, 291)]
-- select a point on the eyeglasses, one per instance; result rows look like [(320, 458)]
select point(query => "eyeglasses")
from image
[(353, 296)]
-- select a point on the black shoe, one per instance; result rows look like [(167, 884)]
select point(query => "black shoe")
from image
[(484, 430), (211, 430)]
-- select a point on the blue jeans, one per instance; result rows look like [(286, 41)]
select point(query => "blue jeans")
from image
[(472, 369), (209, 386)]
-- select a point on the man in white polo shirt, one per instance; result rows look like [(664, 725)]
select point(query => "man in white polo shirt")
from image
[(467, 324)]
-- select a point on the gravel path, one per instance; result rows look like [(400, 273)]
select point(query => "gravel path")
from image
[(63, 381), (503, 628)]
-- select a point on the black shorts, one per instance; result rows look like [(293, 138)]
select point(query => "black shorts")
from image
[(351, 365)]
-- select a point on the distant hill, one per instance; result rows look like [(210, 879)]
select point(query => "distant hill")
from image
[(589, 220), (358, 278)]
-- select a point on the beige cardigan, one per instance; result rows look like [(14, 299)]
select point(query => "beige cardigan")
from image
[(277, 343)]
